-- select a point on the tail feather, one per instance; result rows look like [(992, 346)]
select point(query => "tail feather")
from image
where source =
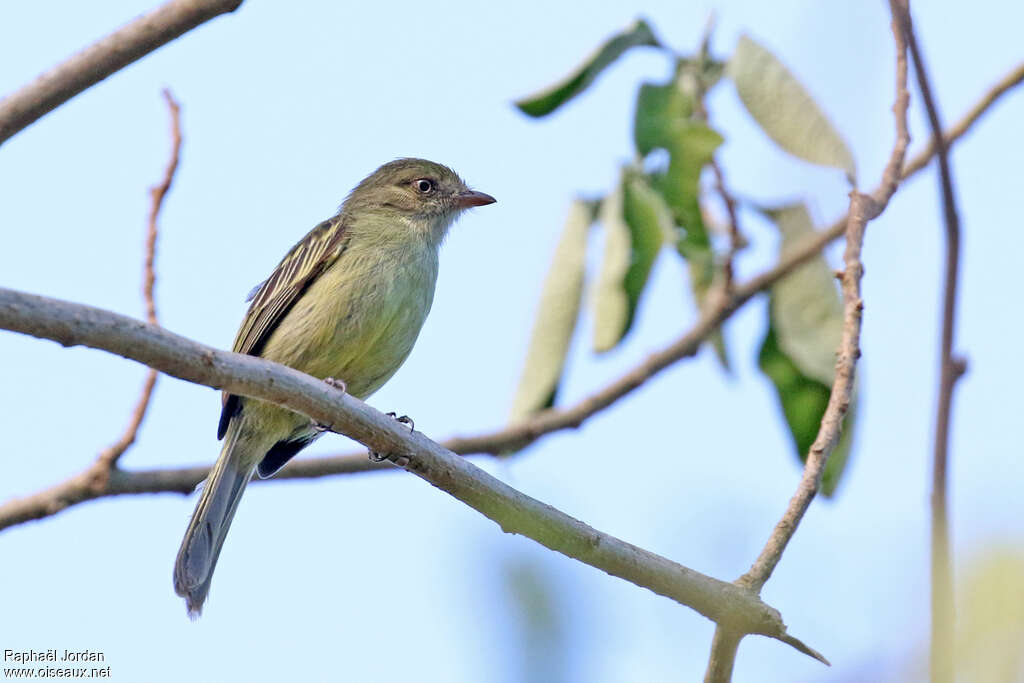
[(197, 557)]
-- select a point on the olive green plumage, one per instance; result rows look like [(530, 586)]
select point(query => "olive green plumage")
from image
[(347, 301)]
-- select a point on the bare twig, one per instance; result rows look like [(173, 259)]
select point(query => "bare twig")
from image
[(813, 245), (183, 480), (157, 194), (75, 324), (951, 368), (109, 456), (863, 208), (103, 58), (1011, 80), (736, 240)]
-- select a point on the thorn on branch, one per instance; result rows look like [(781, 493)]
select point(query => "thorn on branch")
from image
[(809, 651)]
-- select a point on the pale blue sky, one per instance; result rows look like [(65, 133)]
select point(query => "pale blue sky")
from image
[(382, 577)]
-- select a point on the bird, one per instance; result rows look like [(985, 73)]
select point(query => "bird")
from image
[(345, 304)]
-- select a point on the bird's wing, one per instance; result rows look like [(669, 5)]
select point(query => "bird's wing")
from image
[(278, 293)]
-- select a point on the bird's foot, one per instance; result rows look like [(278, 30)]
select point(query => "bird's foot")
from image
[(403, 419), (336, 383), (340, 386)]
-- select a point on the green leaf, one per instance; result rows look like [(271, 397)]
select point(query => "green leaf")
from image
[(695, 248), (711, 73), (696, 76), (717, 340), (691, 147), (636, 220), (661, 111), (545, 102), (803, 400), (690, 150), (806, 309), (784, 109), (664, 111), (701, 265), (556, 317), (798, 353)]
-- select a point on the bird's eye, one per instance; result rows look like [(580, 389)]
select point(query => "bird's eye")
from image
[(424, 185)]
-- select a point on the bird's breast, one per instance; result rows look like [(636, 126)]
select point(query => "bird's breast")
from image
[(359, 320)]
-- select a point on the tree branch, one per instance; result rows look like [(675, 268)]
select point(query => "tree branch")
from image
[(523, 434), (951, 369), (723, 655), (183, 480), (958, 130), (75, 324), (736, 239), (863, 209), (109, 456), (103, 58), (555, 419)]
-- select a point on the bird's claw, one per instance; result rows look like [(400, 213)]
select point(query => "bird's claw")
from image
[(336, 383), (404, 419)]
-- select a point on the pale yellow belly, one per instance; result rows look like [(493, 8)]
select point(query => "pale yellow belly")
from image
[(357, 322)]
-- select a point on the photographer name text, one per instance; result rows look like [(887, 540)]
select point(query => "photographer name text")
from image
[(53, 655)]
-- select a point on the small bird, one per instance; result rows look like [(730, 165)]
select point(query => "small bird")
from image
[(345, 304)]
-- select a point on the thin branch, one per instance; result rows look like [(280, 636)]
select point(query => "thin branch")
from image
[(951, 369), (157, 194), (723, 655), (109, 456), (863, 208), (184, 480), (523, 434), (958, 130), (736, 239), (75, 324), (104, 57)]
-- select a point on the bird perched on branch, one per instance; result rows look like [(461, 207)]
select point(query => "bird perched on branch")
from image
[(347, 303)]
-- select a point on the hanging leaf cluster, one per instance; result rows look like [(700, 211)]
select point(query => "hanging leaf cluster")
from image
[(663, 205)]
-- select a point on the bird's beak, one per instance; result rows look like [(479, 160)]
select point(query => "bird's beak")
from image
[(470, 198)]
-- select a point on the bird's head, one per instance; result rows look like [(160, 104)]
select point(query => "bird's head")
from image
[(419, 191)]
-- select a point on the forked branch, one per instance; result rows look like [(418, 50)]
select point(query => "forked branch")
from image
[(863, 209)]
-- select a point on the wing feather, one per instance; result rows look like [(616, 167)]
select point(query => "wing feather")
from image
[(296, 271), (303, 263)]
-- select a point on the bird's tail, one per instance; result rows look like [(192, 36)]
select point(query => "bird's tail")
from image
[(197, 557)]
